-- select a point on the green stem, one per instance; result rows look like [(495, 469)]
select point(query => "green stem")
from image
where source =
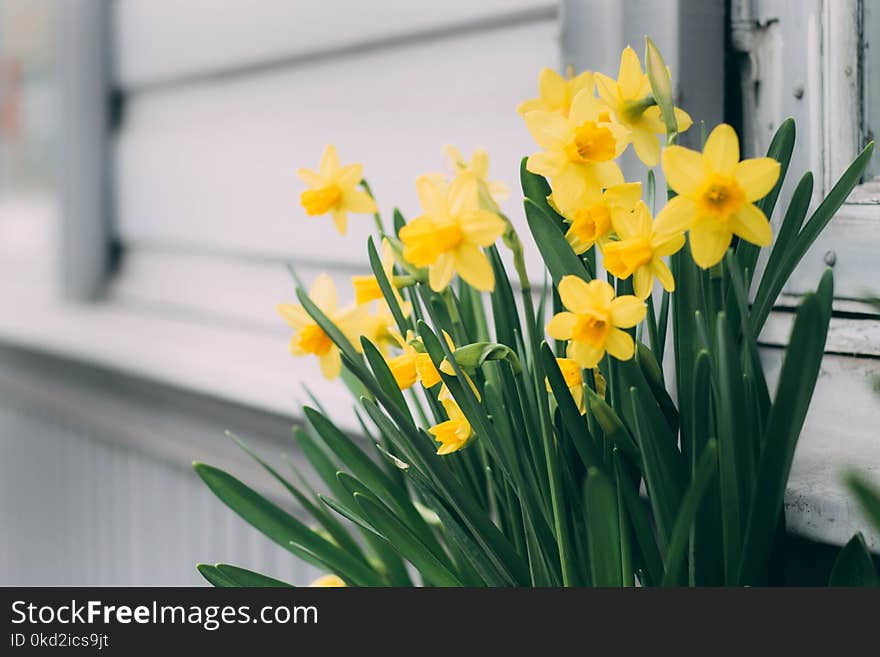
[(551, 453), (376, 216)]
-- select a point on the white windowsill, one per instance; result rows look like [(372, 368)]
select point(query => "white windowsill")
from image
[(252, 367)]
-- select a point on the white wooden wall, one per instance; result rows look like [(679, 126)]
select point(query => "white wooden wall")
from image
[(224, 100)]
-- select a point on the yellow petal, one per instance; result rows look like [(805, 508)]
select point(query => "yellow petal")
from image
[(357, 200), (428, 374), (682, 119), (757, 177), (310, 178), (608, 174), (403, 369), (586, 355), (572, 182), (440, 273), (643, 282), (323, 293), (750, 223), (624, 196), (661, 271), (636, 223), (473, 266), (331, 363), (664, 245), (620, 344), (328, 581), (630, 74), (709, 242), (553, 88), (340, 220), (561, 326), (432, 195), (646, 145), (295, 315), (584, 107), (463, 195), (581, 81), (546, 163), (721, 152), (683, 169), (480, 163), (329, 162), (676, 217), (575, 294), (548, 129), (652, 120), (607, 89), (530, 105), (482, 227), (627, 311), (350, 175)]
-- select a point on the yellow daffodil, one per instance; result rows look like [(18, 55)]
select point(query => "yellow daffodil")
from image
[(414, 364), (329, 581), (333, 189), (593, 321), (310, 338), (555, 92), (379, 327), (591, 216), (629, 100), (639, 251), (571, 372), (366, 288), (716, 195), (454, 433), (579, 150), (478, 167), (447, 237)]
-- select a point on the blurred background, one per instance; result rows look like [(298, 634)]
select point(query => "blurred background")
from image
[(149, 207)]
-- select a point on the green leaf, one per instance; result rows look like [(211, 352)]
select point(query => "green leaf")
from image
[(284, 529), (854, 565), (654, 376), (613, 428), (333, 526), (385, 286), (402, 539), (571, 417), (215, 577), (781, 147), (384, 377), (603, 529), (800, 371), (735, 448), (690, 503), (662, 467), (504, 312), (328, 327), (537, 190), (248, 578), (785, 241), (557, 253), (867, 496), (636, 511), (365, 469)]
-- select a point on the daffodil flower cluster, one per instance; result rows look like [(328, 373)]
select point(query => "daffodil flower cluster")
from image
[(511, 432)]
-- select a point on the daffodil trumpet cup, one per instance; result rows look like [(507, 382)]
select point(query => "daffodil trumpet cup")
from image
[(610, 426)]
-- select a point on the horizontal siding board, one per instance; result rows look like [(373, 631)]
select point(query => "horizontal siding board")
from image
[(161, 40), (851, 243), (212, 165)]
